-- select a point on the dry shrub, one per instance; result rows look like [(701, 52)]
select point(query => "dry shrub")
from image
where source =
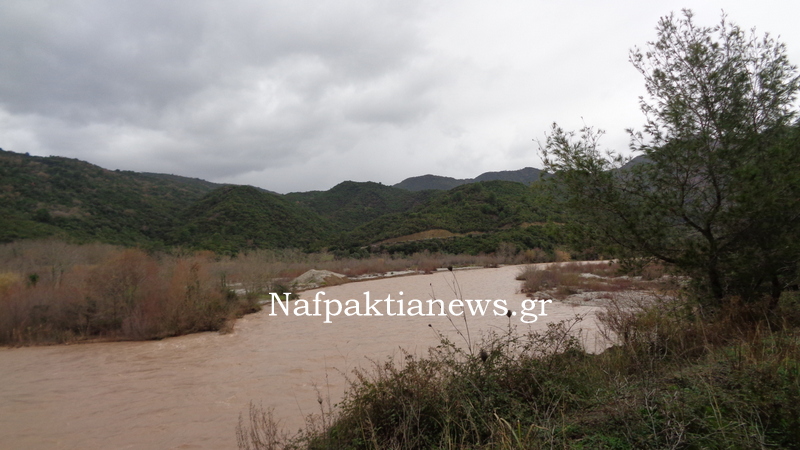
[(128, 295), (562, 256), (601, 268), (8, 280), (375, 265), (536, 255), (261, 431), (651, 329), (194, 303), (564, 277), (653, 271), (42, 313), (426, 263), (358, 267), (535, 278), (608, 284), (49, 259), (506, 252), (117, 289)]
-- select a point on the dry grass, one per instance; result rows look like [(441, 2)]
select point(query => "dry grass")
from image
[(562, 280), (261, 431)]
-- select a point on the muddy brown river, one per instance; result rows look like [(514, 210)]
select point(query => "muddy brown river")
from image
[(187, 392)]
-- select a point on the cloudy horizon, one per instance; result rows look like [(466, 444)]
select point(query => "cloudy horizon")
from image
[(302, 95)]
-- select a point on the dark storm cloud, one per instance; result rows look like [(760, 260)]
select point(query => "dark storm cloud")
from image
[(302, 94), (215, 88)]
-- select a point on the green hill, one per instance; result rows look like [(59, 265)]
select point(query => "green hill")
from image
[(75, 200), (69, 198), (527, 175), (477, 207), (233, 218), (351, 204), (437, 182)]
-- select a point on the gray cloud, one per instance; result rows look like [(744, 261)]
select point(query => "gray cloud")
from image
[(299, 95)]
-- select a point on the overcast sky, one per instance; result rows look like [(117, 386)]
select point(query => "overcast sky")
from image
[(299, 95)]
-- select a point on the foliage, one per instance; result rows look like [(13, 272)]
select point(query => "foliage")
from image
[(65, 197), (111, 293), (234, 218), (478, 207), (74, 200), (717, 193), (521, 239), (351, 204)]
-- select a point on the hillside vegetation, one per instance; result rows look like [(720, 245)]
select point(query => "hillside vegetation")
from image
[(73, 199), (485, 214), (81, 202), (350, 204), (234, 218), (425, 182)]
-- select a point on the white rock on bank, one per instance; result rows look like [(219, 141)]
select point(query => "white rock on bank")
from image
[(315, 278)]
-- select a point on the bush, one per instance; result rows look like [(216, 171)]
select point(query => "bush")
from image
[(127, 295), (456, 397)]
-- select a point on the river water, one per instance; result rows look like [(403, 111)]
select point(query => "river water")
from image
[(187, 392)]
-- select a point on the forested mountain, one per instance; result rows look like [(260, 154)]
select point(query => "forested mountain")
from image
[(527, 175), (75, 200), (350, 204), (234, 218), (481, 214), (475, 207), (44, 196)]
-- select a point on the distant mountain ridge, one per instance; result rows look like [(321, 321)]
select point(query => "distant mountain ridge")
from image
[(78, 201), (350, 204), (527, 175)]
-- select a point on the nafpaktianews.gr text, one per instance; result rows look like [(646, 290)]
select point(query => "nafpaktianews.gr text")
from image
[(399, 307)]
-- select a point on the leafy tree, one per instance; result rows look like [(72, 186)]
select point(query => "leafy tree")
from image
[(716, 192)]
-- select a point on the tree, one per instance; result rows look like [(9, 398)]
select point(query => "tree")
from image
[(716, 191)]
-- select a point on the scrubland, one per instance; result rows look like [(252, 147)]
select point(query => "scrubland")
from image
[(56, 292), (52, 292)]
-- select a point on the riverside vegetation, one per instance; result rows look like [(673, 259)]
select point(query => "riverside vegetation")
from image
[(55, 292)]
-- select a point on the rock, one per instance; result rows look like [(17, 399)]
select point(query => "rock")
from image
[(316, 278)]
